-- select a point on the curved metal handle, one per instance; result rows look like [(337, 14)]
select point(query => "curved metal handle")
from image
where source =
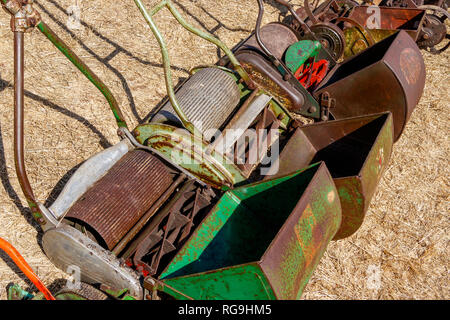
[(86, 71), (302, 23), (32, 19), (15, 8), (285, 72), (166, 62)]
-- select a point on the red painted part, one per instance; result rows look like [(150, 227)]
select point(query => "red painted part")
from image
[(139, 267), (26, 269), (319, 71)]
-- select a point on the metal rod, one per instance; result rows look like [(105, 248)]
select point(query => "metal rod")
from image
[(285, 72), (258, 32), (19, 126), (166, 63), (85, 70), (303, 25), (309, 12)]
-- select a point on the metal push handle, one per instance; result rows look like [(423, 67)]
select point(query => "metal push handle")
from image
[(165, 56), (23, 19), (285, 72), (29, 18)]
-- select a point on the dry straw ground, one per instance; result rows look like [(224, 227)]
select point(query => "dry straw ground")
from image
[(405, 233)]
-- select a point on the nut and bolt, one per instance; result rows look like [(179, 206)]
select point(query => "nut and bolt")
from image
[(312, 109)]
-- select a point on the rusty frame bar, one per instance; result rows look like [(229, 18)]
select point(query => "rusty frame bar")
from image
[(85, 70), (19, 158), (24, 18)]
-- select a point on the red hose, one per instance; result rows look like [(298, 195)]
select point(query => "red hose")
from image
[(26, 269)]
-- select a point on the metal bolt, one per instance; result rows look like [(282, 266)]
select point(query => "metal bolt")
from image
[(312, 109)]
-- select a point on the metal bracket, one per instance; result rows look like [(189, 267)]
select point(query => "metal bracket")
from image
[(24, 17), (326, 103)]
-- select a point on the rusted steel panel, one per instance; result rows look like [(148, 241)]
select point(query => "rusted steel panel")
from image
[(295, 252), (408, 19), (356, 192), (356, 42), (116, 202), (355, 150), (291, 218), (376, 161), (409, 69), (389, 76)]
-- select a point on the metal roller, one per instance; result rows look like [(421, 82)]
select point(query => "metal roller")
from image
[(115, 203), (208, 98)]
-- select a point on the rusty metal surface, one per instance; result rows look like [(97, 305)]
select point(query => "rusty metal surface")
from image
[(331, 37), (148, 215), (355, 150), (169, 230), (268, 78), (295, 252), (408, 19), (115, 203), (292, 220), (389, 76), (249, 153), (391, 19), (191, 153), (276, 36)]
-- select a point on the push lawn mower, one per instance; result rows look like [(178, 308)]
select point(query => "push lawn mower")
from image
[(224, 162)]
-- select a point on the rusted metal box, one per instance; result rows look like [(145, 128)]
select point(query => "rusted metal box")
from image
[(260, 241), (390, 19), (355, 150), (389, 76), (379, 23)]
